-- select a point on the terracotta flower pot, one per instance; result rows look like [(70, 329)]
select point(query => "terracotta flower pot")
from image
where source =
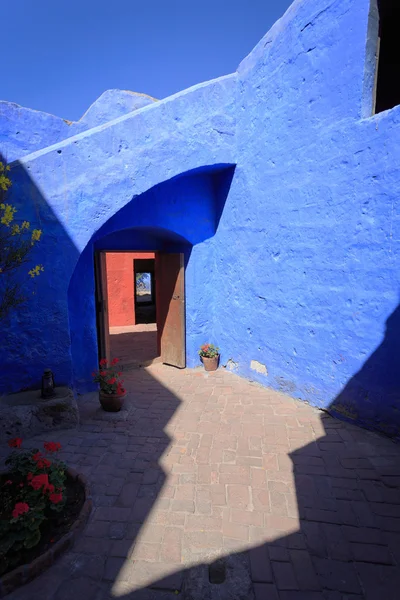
[(111, 402), (210, 364)]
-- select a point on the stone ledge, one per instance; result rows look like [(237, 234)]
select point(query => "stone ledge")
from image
[(25, 573), (26, 414)]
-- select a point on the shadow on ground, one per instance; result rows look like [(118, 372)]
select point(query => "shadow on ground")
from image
[(210, 487), (135, 347), (204, 470)]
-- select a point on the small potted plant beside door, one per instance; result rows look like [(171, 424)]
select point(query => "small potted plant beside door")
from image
[(111, 393), (209, 356)]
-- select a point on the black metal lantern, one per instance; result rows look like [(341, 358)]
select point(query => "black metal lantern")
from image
[(48, 384)]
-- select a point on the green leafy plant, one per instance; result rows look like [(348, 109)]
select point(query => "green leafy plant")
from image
[(17, 240), (108, 377), (33, 488), (209, 351)]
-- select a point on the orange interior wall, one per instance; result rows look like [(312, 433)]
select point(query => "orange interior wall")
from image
[(120, 286)]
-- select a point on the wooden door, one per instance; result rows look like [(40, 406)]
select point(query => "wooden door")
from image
[(170, 302), (103, 330)]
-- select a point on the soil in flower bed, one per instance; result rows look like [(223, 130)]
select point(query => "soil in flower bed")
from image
[(57, 525)]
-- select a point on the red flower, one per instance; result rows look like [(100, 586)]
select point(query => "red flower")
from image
[(21, 485), (50, 488), (19, 509), (29, 476), (103, 362), (8, 482), (103, 373), (40, 481), (15, 443), (55, 498), (112, 380), (41, 462), (120, 389), (52, 446), (119, 373), (115, 361)]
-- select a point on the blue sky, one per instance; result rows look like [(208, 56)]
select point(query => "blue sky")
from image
[(59, 56)]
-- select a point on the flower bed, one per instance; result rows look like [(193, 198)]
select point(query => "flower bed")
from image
[(42, 504)]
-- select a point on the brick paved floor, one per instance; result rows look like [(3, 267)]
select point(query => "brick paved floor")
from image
[(198, 468)]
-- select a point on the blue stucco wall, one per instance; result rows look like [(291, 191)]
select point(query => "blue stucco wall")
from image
[(179, 215), (23, 130), (74, 191), (317, 192), (291, 257)]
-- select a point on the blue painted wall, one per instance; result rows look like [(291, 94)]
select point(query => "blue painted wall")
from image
[(317, 189), (23, 130), (292, 265)]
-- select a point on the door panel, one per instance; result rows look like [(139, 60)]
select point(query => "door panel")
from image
[(103, 334), (170, 294)]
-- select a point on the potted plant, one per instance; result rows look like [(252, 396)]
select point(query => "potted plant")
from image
[(209, 355), (111, 394)]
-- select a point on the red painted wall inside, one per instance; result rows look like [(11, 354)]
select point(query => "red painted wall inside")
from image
[(120, 286)]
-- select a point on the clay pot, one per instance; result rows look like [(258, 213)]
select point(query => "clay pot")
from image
[(111, 402), (210, 364)]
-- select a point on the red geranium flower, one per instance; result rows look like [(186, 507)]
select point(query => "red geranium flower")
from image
[(103, 373), (8, 482), (115, 361), (41, 461), (55, 498), (19, 509), (29, 476), (52, 446), (15, 442), (103, 362), (112, 380), (40, 481)]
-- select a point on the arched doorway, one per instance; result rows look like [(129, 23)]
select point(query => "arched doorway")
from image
[(178, 217)]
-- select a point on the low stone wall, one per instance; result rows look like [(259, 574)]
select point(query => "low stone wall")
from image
[(26, 414)]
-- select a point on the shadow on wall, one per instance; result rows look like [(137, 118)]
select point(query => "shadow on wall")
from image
[(372, 395), (37, 336), (59, 319), (322, 469)]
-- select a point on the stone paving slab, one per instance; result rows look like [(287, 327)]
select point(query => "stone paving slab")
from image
[(209, 469)]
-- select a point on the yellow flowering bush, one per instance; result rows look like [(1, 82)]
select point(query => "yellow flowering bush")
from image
[(16, 243)]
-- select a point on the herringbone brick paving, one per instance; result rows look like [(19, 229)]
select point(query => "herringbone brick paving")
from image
[(200, 467)]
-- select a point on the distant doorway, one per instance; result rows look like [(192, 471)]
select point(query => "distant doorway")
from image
[(140, 303), (144, 290)]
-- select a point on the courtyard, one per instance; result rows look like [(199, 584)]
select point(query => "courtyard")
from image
[(210, 486)]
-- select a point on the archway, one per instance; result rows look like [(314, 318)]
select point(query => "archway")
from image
[(179, 216)]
